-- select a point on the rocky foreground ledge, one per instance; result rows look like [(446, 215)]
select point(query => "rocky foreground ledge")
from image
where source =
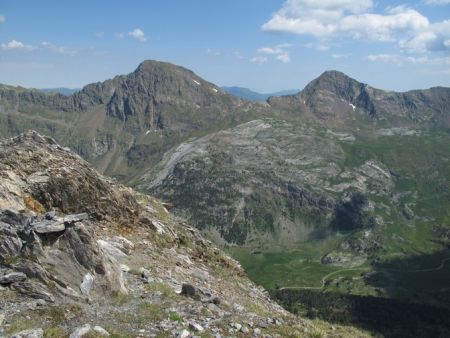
[(83, 256)]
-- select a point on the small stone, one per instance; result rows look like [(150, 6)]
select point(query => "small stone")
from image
[(32, 333), (124, 268), (40, 302), (144, 272), (188, 290), (257, 331), (245, 329), (80, 331), (237, 326), (12, 277), (101, 331), (184, 334), (86, 284), (201, 275), (196, 327), (50, 215)]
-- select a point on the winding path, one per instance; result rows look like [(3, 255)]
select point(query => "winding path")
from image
[(324, 279)]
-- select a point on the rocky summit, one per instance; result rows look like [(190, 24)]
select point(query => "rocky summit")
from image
[(84, 256)]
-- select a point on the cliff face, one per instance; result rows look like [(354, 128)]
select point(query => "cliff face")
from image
[(78, 248)]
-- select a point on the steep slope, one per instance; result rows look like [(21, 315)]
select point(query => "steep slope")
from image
[(78, 248), (340, 101), (126, 123)]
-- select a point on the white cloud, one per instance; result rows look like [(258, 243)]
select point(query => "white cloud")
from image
[(2, 18), (340, 56), (99, 34), (326, 19), (284, 57), (14, 44), (400, 59), (437, 2), (317, 18), (397, 22), (58, 49), (120, 35), (280, 52), (259, 59), (138, 34), (393, 58), (320, 45)]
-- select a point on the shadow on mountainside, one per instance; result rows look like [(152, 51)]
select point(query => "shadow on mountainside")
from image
[(421, 278), (415, 299)]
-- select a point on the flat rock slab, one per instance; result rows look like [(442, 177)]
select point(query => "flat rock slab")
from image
[(76, 218), (12, 277), (48, 226)]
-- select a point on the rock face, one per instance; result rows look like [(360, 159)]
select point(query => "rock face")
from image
[(61, 245)]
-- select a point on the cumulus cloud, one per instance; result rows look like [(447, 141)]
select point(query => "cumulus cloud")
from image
[(2, 18), (279, 52), (138, 34), (17, 45), (325, 19)]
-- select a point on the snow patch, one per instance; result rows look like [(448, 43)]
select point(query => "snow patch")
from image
[(214, 90), (147, 132), (196, 82), (353, 106)]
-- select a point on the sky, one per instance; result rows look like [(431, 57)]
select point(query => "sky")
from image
[(264, 45)]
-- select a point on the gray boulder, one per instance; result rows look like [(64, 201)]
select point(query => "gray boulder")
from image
[(86, 285), (80, 331), (32, 333)]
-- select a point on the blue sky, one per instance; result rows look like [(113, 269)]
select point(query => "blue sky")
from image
[(266, 45)]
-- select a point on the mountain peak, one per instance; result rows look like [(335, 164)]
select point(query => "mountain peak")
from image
[(333, 81), (151, 66)]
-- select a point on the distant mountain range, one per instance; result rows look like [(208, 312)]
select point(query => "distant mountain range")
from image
[(61, 90), (249, 94), (338, 176)]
